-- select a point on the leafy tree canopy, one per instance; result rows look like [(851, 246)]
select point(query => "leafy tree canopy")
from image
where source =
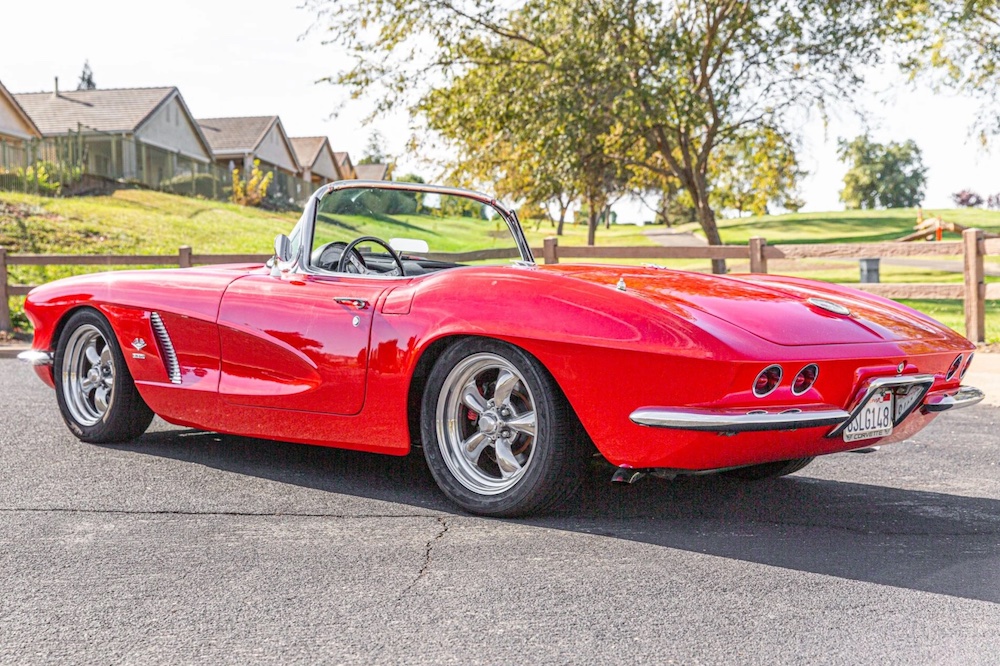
[(623, 86), (882, 175)]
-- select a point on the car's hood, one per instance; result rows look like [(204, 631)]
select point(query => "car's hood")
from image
[(771, 308)]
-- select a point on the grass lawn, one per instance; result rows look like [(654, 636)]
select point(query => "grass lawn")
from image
[(853, 226)]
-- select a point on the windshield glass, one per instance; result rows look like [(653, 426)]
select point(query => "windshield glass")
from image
[(445, 228)]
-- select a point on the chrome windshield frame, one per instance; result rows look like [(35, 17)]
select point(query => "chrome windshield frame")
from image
[(300, 262)]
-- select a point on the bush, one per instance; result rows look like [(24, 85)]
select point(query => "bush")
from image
[(200, 184), (252, 192), (967, 199)]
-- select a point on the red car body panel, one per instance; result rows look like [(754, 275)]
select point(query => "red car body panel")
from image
[(280, 358)]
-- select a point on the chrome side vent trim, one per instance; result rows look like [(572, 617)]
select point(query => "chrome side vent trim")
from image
[(167, 347)]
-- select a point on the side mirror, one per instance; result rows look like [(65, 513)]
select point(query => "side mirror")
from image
[(282, 248)]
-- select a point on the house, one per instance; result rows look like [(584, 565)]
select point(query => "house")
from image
[(344, 166), (146, 135), (316, 158), (238, 142), (373, 171), (15, 125)]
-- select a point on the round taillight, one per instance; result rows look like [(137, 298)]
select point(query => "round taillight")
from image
[(805, 379), (767, 380), (968, 362), (953, 370)]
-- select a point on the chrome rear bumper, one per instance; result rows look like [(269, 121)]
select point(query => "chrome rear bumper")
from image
[(716, 421), (36, 357), (793, 418), (942, 401)]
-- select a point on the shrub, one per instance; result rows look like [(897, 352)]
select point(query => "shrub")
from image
[(254, 191), (967, 199), (199, 184)]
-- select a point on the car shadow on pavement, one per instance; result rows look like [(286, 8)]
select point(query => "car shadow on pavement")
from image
[(933, 542)]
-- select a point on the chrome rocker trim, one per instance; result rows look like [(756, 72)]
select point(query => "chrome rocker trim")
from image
[(36, 357), (941, 401), (729, 422)]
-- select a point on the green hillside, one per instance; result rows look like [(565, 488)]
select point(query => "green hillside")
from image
[(853, 226)]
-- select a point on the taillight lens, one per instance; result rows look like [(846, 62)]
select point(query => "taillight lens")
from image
[(953, 370), (767, 380), (805, 379), (966, 368)]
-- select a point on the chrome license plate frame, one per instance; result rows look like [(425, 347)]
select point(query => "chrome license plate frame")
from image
[(875, 418)]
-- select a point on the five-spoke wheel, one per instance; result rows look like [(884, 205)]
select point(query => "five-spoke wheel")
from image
[(97, 397), (88, 375), (498, 435)]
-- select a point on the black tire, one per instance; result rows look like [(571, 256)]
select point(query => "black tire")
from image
[(95, 391), (509, 472), (768, 470)]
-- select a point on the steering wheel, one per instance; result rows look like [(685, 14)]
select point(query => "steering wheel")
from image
[(328, 258), (347, 259)]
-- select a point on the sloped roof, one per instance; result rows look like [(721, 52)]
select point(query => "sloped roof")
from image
[(108, 110), (307, 149), (236, 135), (344, 165), (372, 171), (5, 94)]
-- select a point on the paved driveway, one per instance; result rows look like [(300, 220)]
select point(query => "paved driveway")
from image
[(189, 547)]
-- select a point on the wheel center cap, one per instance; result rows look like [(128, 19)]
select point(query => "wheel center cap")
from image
[(488, 424)]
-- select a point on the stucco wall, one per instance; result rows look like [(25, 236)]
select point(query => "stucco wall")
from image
[(275, 150), (11, 124), (170, 128), (324, 166)]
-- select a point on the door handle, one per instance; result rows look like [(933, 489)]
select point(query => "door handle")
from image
[(359, 303)]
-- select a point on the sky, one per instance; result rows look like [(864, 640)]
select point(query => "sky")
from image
[(255, 58)]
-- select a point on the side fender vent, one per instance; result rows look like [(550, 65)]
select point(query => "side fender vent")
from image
[(167, 347)]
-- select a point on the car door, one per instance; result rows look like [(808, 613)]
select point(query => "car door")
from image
[(297, 342)]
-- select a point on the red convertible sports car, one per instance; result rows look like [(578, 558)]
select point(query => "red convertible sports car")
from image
[(507, 375)]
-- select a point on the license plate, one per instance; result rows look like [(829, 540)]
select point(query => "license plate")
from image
[(874, 419)]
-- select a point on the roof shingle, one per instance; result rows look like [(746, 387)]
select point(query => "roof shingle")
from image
[(235, 135), (110, 110)]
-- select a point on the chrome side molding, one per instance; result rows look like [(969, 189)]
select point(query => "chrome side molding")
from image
[(941, 401), (36, 357), (732, 422)]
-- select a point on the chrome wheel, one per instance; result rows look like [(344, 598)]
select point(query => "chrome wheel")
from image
[(486, 425), (88, 375)]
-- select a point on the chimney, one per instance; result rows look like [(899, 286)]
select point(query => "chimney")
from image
[(55, 93)]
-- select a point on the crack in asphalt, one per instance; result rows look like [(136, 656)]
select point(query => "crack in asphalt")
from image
[(428, 552), (237, 514)]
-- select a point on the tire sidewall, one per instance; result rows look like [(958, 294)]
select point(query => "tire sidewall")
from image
[(528, 492), (104, 428)]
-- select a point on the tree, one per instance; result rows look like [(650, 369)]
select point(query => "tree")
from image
[(756, 169), (375, 150), (86, 78), (677, 79), (955, 44), (882, 175)]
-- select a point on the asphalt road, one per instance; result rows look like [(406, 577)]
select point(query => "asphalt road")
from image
[(188, 547)]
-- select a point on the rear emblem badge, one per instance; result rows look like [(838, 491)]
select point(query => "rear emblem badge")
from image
[(835, 308), (900, 368), (139, 344)]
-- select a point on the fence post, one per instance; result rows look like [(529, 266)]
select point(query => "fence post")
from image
[(975, 285), (550, 250), (5, 324), (184, 256), (758, 262)]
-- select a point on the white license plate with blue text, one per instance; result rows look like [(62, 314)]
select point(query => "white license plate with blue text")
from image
[(874, 419)]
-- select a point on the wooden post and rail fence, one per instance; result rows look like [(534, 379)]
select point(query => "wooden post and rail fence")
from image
[(973, 247)]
